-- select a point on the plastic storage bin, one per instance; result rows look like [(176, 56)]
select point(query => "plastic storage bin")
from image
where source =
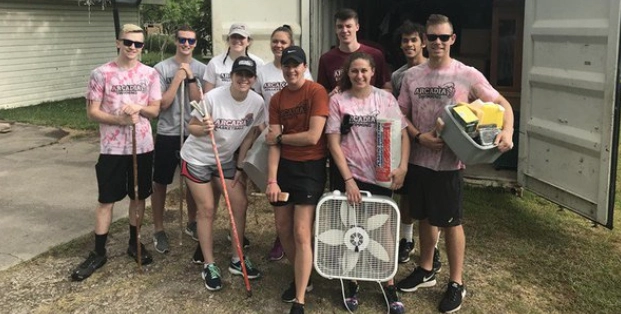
[(466, 149)]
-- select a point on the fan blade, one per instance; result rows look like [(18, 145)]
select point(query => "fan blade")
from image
[(350, 259), (348, 214), (377, 221), (378, 250), (331, 237)]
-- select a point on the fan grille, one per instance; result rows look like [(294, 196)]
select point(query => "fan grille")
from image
[(356, 241)]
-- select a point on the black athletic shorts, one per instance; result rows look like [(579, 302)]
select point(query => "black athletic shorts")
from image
[(166, 158), (305, 181), (436, 195), (115, 177)]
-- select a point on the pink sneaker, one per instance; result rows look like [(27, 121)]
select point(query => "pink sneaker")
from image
[(276, 253)]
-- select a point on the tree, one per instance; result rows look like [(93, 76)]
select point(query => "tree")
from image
[(195, 13)]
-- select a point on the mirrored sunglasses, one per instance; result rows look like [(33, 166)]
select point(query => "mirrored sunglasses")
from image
[(190, 41)]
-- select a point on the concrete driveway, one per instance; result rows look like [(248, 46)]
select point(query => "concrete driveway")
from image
[(48, 190)]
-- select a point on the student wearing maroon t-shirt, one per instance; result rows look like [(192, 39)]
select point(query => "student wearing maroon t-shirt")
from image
[(331, 62)]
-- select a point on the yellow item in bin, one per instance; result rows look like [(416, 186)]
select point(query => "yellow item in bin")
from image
[(492, 114), (466, 118)]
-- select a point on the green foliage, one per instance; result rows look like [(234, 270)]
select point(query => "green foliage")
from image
[(195, 13), (160, 43), (152, 58)]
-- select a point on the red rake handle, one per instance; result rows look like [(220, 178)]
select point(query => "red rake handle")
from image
[(240, 253)]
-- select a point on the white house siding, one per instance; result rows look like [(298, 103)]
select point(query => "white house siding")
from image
[(48, 48)]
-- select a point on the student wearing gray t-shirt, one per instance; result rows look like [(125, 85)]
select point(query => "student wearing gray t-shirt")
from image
[(182, 68)]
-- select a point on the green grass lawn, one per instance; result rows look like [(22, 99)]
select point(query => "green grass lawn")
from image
[(70, 113)]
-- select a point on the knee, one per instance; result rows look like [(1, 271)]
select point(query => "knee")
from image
[(205, 212)]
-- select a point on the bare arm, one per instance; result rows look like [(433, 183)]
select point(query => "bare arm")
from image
[(95, 114), (504, 140), (168, 97), (338, 158), (398, 175), (208, 86), (307, 138), (273, 158), (246, 144)]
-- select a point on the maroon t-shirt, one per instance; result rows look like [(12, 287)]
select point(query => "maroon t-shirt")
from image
[(331, 66)]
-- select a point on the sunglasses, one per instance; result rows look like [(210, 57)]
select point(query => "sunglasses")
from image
[(346, 124), (129, 43), (190, 41), (443, 37)]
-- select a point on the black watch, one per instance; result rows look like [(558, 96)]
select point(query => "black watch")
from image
[(279, 139), (192, 80)]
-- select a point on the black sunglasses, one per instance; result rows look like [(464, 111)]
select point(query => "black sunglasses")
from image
[(346, 124), (443, 37), (129, 43), (183, 40)]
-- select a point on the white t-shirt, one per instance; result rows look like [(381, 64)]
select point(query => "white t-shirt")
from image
[(270, 81), (219, 69), (233, 121)]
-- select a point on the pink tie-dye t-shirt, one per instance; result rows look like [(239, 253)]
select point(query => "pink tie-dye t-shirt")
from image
[(424, 94), (359, 145), (114, 87)]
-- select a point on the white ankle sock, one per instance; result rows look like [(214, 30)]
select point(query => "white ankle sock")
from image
[(406, 231)]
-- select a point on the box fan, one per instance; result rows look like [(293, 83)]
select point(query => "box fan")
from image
[(356, 241)]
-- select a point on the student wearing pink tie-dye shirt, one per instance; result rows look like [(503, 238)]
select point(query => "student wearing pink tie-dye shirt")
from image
[(352, 140), (122, 94), (434, 179)]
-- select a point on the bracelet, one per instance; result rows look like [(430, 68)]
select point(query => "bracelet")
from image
[(272, 182), (239, 168), (191, 80), (350, 178)]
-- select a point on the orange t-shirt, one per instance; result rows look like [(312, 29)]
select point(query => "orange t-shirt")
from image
[(293, 110)]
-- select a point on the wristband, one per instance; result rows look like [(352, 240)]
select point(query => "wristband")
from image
[(417, 137), (350, 178), (239, 168), (272, 182), (192, 80)]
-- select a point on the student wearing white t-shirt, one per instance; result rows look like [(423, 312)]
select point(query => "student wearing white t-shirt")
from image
[(236, 114), (269, 82), (219, 67), (218, 73)]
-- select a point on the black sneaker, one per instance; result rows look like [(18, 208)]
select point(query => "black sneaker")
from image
[(405, 249), (351, 297), (198, 258), (145, 256), (211, 276), (289, 295), (246, 241), (297, 308), (190, 229), (419, 278), (437, 264), (236, 269), (89, 266), (451, 302), (396, 306)]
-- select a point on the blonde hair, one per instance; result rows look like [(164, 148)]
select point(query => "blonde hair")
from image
[(130, 28)]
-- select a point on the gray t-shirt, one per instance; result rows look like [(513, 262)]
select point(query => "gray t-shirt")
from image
[(396, 78), (170, 119)]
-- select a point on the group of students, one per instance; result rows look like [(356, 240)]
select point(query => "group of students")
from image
[(307, 122)]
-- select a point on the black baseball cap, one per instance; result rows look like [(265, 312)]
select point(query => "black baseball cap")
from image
[(244, 63), (293, 53)]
